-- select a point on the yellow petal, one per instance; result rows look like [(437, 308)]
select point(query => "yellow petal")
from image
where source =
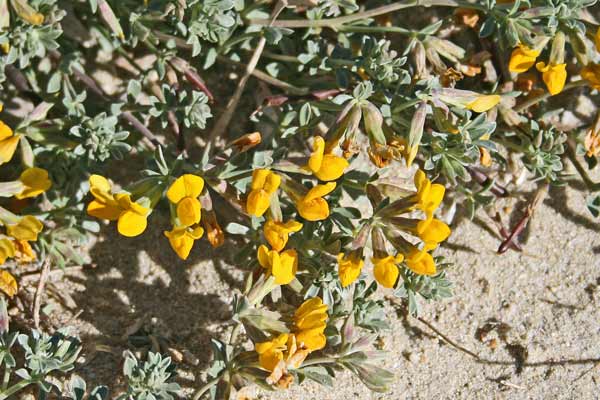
[(385, 270), (263, 256), (554, 76), (597, 40), (421, 181), (284, 270), (8, 147), (26, 229), (5, 131), (8, 284), (35, 181), (182, 240), (277, 233), (258, 202), (349, 268), (332, 168), (187, 185), (101, 210), (313, 341), (188, 211), (484, 103), (320, 191), (7, 250), (313, 210), (522, 59), (421, 262), (131, 223), (316, 158), (433, 230), (23, 252), (311, 306), (259, 177), (272, 183)]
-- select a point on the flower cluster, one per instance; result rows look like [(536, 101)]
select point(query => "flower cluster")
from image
[(287, 351), (19, 230)]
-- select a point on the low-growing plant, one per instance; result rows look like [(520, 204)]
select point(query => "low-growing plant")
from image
[(367, 125)]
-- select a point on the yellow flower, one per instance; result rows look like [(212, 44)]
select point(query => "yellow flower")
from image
[(26, 229), (591, 73), (35, 182), (522, 59), (326, 167), (264, 184), (182, 239), (131, 216), (282, 266), (429, 196), (8, 284), (432, 231), (313, 207), (386, 271), (554, 76), (184, 193), (484, 103), (23, 252), (310, 320), (349, 267), (104, 205), (7, 250), (271, 352), (8, 143), (597, 39), (277, 233), (420, 262)]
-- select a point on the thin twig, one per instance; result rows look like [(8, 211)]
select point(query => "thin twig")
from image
[(497, 219), (522, 224), (263, 76), (39, 292), (448, 340), (223, 121), (333, 22)]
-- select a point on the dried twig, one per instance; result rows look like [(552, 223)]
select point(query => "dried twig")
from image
[(497, 219), (223, 121), (334, 22), (37, 301), (522, 224)]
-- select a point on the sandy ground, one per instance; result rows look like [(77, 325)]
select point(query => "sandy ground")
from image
[(532, 317)]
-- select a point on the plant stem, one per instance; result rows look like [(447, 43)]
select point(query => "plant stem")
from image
[(37, 301), (522, 224), (14, 389), (6, 378), (336, 22), (204, 388), (375, 29), (570, 151), (534, 100)]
